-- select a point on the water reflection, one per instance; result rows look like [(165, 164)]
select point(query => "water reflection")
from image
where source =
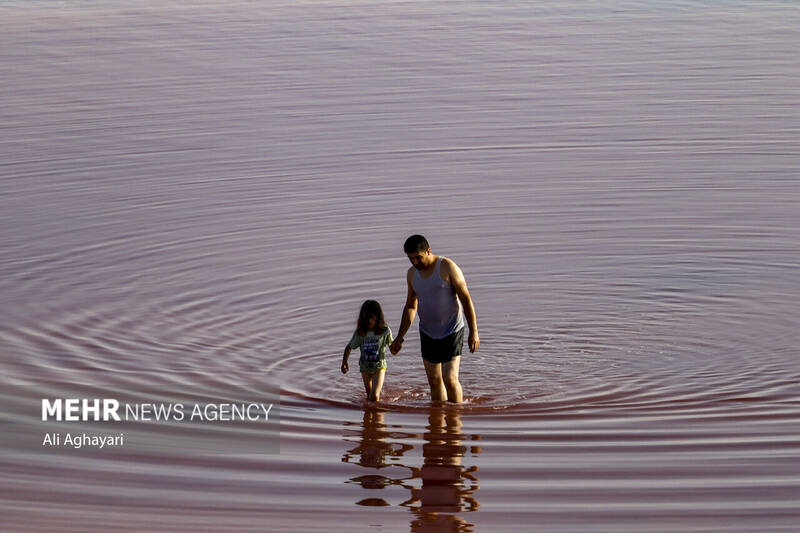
[(440, 488), (372, 451)]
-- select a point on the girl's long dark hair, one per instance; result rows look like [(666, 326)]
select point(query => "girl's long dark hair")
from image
[(368, 309)]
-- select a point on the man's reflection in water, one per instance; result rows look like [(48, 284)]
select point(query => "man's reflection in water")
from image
[(447, 487)]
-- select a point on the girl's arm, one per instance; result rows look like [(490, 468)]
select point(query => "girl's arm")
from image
[(345, 356)]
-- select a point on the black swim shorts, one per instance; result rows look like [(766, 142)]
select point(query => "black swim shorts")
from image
[(441, 350)]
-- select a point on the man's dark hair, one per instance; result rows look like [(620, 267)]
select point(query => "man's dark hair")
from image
[(416, 243)]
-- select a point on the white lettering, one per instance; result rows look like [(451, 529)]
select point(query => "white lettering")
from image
[(51, 409), (146, 411), (93, 408), (110, 407), (97, 441), (72, 409), (75, 409), (228, 412)]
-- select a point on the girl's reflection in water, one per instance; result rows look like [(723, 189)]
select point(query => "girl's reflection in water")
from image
[(447, 486), (372, 452)]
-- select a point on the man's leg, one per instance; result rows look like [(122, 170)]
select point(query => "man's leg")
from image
[(450, 380), (434, 372)]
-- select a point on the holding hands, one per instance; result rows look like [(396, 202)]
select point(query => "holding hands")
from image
[(396, 346)]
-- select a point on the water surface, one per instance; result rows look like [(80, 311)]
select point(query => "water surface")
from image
[(206, 193)]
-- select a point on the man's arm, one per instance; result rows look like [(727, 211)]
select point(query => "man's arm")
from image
[(456, 279), (409, 313)]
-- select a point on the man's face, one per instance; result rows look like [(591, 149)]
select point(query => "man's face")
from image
[(420, 260)]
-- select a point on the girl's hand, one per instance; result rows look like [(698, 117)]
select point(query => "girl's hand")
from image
[(345, 368)]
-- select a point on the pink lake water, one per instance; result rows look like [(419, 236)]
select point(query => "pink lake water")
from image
[(204, 193)]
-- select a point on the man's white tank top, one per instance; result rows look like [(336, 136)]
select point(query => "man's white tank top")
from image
[(440, 311)]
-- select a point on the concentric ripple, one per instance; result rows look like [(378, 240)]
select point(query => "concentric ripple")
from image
[(201, 196)]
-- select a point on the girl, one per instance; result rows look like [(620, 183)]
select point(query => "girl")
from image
[(373, 336)]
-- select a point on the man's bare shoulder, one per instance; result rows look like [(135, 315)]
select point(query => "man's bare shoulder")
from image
[(410, 274), (447, 262), (448, 268)]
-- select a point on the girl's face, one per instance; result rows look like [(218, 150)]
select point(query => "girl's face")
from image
[(372, 321)]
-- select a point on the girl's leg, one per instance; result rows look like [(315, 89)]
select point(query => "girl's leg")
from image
[(367, 377), (377, 385)]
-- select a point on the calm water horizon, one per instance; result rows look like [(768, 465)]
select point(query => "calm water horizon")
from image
[(202, 194)]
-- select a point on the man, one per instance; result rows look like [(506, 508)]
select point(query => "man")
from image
[(438, 285)]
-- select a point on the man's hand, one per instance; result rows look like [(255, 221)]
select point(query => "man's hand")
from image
[(474, 341), (396, 346), (345, 367)]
